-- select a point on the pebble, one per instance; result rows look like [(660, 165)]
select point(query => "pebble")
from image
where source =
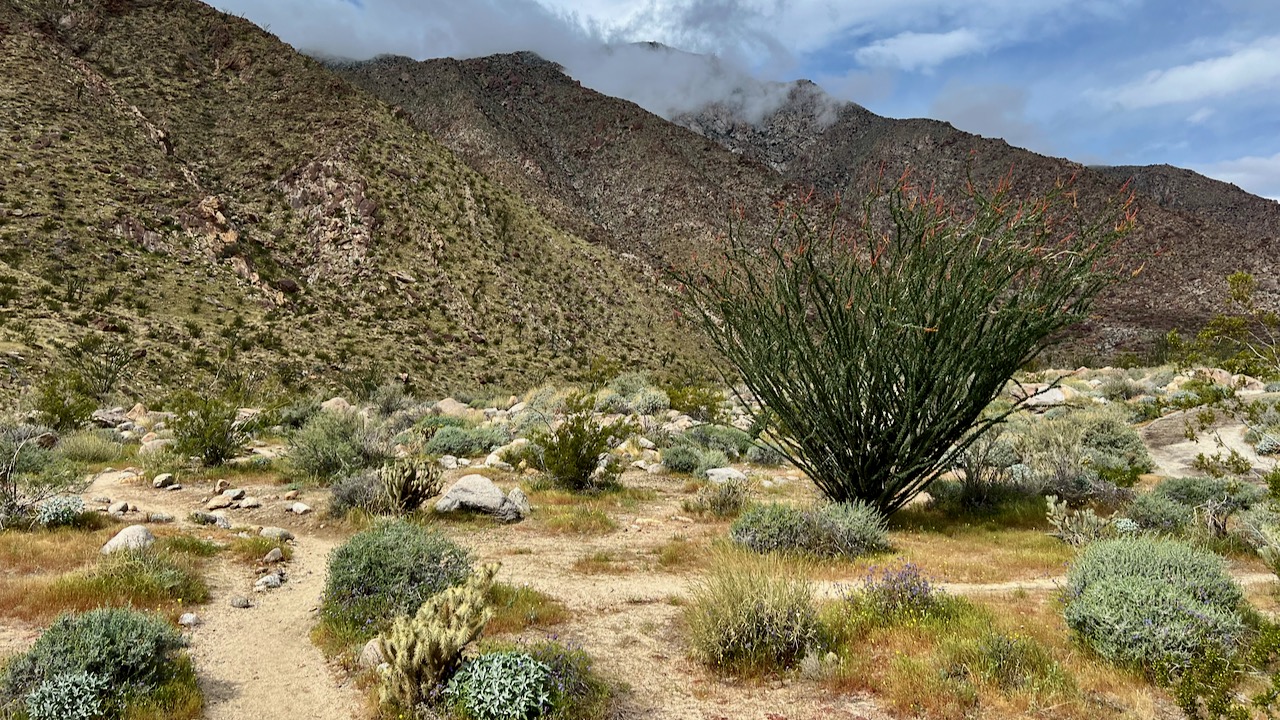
[(276, 533), (240, 602), (299, 508), (276, 555), (189, 620)]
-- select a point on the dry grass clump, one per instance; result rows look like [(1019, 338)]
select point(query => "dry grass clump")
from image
[(579, 520), (252, 549), (603, 562), (519, 607)]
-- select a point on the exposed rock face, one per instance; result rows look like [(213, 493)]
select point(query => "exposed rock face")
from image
[(477, 493)]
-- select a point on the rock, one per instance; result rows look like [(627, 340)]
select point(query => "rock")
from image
[(371, 655), (657, 469), (233, 494), (640, 465), (163, 480), (521, 501), (497, 463), (299, 508), (449, 462), (137, 413), (220, 520), (276, 555), (134, 537), (276, 533), (118, 508), (453, 408), (291, 495), (203, 518), (517, 408), (102, 500), (472, 492), (218, 503), (222, 486), (109, 418), (249, 503), (335, 405), (173, 487), (189, 620), (154, 446), (159, 517), (241, 602), (268, 582), (645, 443), (723, 475)]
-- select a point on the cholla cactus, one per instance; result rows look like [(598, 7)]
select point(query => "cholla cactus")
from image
[(406, 484), (422, 651), (1075, 527)]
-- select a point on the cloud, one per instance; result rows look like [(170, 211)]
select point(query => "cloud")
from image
[(992, 110), (1258, 175), (1201, 116), (920, 51), (1253, 66)]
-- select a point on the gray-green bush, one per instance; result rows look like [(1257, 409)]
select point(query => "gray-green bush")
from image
[(466, 442), (501, 686), (830, 529), (332, 443), (1159, 513)]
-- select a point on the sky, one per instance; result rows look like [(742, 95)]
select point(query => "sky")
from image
[(1193, 83)]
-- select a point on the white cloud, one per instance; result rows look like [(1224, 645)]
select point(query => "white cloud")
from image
[(1258, 175), (1201, 116), (1253, 66), (920, 51)]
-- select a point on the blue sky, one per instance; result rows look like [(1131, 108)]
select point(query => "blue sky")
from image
[(1194, 84)]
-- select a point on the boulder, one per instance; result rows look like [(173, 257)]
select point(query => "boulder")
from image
[(159, 517), (276, 555), (496, 462), (132, 538), (453, 408), (723, 475), (163, 480), (219, 502), (249, 503), (109, 418), (276, 533), (118, 508), (521, 501), (299, 508), (233, 494), (335, 405), (371, 655), (138, 413), (472, 492)]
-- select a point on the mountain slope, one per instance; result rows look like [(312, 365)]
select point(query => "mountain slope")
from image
[(182, 178)]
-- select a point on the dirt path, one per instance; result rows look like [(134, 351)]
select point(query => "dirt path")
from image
[(257, 662)]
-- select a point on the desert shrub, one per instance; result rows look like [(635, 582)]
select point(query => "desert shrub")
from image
[(1114, 449), (1075, 527), (1149, 602), (700, 402), (428, 425), (576, 453), (335, 442), (74, 696), (30, 473), (501, 686), (60, 511), (1272, 387), (125, 652), (207, 427), (295, 414), (466, 442), (900, 593), (390, 397), (1159, 513), (578, 693), (628, 384), (829, 373), (386, 571), (681, 458), (986, 482), (727, 439), (1063, 465), (1268, 443), (610, 402), (723, 500), (147, 576), (829, 529), (1011, 662), (355, 491), (762, 454), (63, 402), (751, 614), (1214, 500), (90, 447), (1121, 388), (650, 401)]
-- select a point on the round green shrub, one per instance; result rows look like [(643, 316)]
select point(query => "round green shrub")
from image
[(128, 650), (1195, 492), (650, 401), (73, 696), (681, 459), (502, 686), (60, 511), (466, 442), (1157, 512), (831, 529), (761, 454), (331, 443), (708, 460), (387, 571), (1150, 602)]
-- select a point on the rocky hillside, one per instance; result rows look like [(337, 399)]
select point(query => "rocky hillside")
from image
[(604, 168), (181, 180)]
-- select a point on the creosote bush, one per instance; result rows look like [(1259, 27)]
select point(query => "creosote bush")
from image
[(752, 614), (575, 453), (874, 343), (331, 443), (830, 529), (387, 571), (208, 427)]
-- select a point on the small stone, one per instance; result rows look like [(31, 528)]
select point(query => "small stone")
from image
[(173, 487), (268, 582), (241, 602), (276, 555), (657, 469), (276, 533), (299, 508), (645, 443), (249, 503), (218, 503), (159, 517), (720, 476), (371, 655), (118, 508), (102, 500), (163, 480), (291, 495), (222, 486), (233, 494), (449, 462), (200, 517), (189, 620), (134, 537)]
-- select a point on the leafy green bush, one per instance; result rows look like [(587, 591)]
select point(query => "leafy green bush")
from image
[(1152, 603), (1159, 513), (1194, 492), (575, 453), (761, 454), (501, 686), (700, 402), (60, 511), (62, 402), (829, 529), (628, 384), (90, 447), (1115, 450), (386, 571), (829, 373), (331, 443), (30, 473), (208, 427), (466, 442), (752, 614), (729, 440), (125, 652), (649, 401), (578, 692), (428, 425)]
